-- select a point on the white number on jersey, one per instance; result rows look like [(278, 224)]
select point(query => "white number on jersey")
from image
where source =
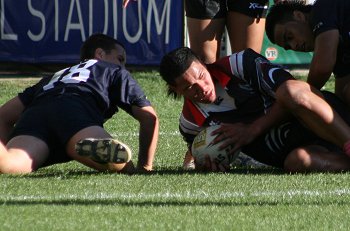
[(75, 74)]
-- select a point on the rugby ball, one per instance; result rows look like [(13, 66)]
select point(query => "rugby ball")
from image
[(202, 146)]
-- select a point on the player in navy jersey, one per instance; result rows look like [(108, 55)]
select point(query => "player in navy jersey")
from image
[(262, 109), (61, 117), (323, 28)]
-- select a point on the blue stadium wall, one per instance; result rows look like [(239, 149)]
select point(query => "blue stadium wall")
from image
[(52, 31)]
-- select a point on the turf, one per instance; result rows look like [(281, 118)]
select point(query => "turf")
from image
[(71, 196)]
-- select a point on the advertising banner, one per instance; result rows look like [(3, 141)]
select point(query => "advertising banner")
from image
[(52, 31), (279, 55)]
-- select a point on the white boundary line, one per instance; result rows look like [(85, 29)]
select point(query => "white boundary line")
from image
[(173, 133), (185, 195)]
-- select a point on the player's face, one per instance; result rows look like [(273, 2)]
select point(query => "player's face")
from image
[(116, 56), (294, 35), (196, 84)]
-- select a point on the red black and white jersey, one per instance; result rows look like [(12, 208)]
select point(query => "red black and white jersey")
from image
[(245, 85), (107, 85)]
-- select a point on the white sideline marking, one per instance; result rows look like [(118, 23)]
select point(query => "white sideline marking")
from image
[(184, 195), (174, 133)]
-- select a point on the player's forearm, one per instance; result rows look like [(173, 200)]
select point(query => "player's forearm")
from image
[(324, 58), (147, 144), (273, 117), (318, 77)]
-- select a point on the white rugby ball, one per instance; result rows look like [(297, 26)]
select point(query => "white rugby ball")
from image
[(202, 146)]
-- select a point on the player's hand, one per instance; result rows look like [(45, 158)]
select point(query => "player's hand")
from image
[(211, 166), (235, 135)]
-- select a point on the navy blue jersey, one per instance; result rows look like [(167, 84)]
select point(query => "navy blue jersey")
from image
[(104, 84), (328, 15)]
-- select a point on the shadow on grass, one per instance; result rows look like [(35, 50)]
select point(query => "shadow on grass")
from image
[(236, 202), (164, 171)]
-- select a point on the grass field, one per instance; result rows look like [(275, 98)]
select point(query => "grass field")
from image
[(73, 197)]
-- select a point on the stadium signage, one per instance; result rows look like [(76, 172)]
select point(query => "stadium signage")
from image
[(53, 30)]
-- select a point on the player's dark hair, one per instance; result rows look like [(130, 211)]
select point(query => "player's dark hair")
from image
[(281, 13), (105, 42), (174, 64)]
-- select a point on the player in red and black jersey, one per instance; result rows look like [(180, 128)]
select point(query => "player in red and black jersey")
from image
[(263, 110), (63, 114)]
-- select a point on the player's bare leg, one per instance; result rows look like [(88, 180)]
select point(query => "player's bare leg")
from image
[(315, 158), (315, 113), (205, 37), (22, 154), (245, 32)]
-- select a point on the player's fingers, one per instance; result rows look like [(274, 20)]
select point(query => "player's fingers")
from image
[(220, 137), (217, 131), (223, 167), (226, 143), (214, 167), (207, 163)]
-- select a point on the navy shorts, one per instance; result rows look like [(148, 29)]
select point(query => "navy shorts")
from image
[(273, 147), (55, 120), (214, 9)]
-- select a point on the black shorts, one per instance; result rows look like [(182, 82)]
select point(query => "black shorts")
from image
[(273, 147), (55, 120), (214, 9), (254, 8)]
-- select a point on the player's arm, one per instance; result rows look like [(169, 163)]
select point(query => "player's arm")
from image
[(241, 134), (9, 114), (324, 58), (148, 136)]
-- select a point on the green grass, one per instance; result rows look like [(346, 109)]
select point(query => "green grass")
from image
[(71, 196)]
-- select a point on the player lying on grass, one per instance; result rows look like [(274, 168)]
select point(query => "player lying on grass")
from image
[(263, 110), (61, 117), (323, 28)]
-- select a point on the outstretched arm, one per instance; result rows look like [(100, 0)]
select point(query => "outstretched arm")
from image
[(9, 114), (148, 136), (323, 60)]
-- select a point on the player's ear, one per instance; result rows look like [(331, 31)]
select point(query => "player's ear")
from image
[(99, 53), (299, 16)]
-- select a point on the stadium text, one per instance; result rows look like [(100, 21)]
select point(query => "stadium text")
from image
[(68, 16)]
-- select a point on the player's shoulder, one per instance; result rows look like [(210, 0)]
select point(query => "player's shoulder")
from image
[(108, 65), (106, 68)]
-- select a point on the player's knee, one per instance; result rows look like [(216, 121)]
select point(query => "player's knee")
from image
[(297, 161)]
